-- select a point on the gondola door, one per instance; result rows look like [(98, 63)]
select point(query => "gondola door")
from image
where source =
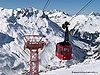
[(67, 51)]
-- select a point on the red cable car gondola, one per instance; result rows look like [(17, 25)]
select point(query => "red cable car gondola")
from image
[(64, 49)]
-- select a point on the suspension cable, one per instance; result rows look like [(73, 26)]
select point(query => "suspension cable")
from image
[(44, 8), (81, 10), (47, 3)]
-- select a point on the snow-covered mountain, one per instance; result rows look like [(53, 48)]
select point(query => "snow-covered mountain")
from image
[(88, 31), (84, 38)]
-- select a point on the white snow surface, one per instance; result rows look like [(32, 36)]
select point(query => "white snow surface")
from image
[(91, 68), (16, 23)]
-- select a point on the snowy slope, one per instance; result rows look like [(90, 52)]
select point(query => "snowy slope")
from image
[(90, 68), (87, 29), (16, 23)]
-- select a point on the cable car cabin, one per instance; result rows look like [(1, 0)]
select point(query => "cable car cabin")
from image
[(63, 51)]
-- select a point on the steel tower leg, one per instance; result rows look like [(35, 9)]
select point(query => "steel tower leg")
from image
[(34, 62)]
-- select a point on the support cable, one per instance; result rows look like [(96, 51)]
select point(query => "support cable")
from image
[(46, 5), (91, 1), (44, 8)]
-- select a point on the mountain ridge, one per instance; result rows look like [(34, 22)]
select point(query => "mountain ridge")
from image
[(19, 22)]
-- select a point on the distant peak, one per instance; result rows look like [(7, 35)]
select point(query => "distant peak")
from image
[(1, 8), (95, 14), (18, 9)]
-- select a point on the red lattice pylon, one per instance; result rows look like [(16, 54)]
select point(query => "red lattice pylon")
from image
[(33, 43)]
